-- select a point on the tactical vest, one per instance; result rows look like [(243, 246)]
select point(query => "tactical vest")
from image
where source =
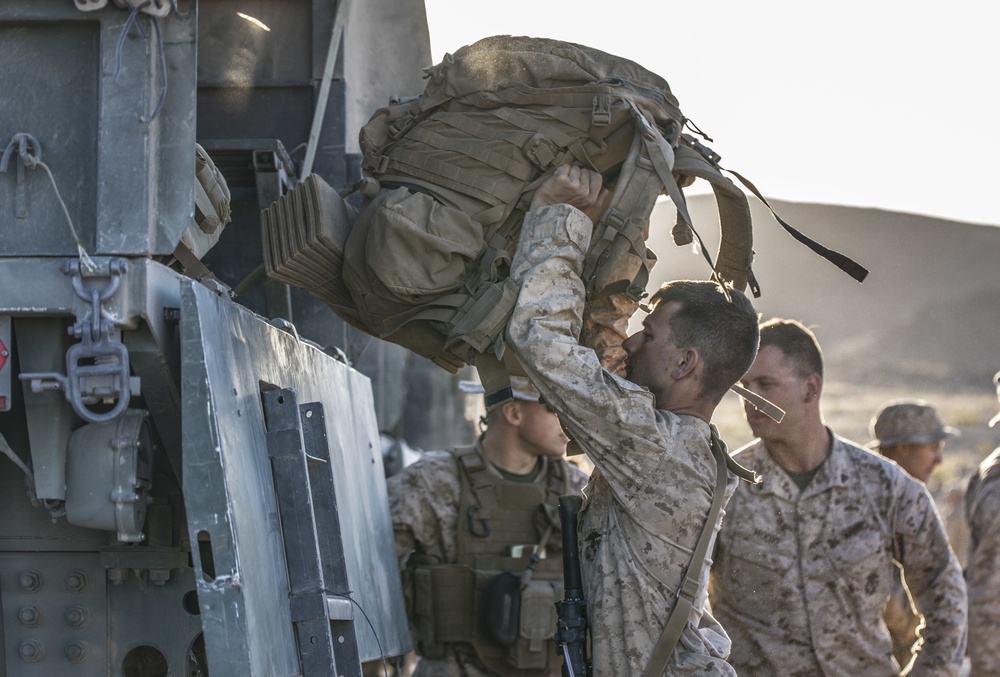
[(498, 523)]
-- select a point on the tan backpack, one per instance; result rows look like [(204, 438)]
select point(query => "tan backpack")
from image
[(450, 174)]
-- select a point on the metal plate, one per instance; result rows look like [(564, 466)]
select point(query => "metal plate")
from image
[(117, 173), (228, 356)]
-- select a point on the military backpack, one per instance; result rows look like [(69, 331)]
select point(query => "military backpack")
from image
[(449, 176)]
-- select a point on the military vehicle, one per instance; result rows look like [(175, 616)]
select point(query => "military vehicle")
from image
[(192, 473)]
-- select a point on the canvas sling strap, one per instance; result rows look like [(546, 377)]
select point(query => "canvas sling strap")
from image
[(689, 586)]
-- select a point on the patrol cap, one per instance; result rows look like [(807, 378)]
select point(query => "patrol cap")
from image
[(519, 385), (996, 382), (909, 421)]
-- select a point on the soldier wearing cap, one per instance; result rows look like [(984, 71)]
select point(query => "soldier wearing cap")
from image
[(911, 433), (805, 560), (464, 517), (983, 510)]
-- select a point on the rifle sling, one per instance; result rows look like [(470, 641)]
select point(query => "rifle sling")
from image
[(689, 586)]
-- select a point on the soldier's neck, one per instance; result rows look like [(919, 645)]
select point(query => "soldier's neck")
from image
[(803, 451), (508, 454)]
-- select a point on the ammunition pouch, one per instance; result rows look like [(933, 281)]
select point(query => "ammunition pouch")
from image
[(509, 628), (442, 607), (532, 647), (520, 619), (500, 608)]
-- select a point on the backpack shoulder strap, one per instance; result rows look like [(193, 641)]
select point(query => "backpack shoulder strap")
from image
[(689, 586), (558, 480), (736, 244)]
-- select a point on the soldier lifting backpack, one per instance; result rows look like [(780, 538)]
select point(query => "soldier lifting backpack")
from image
[(450, 174)]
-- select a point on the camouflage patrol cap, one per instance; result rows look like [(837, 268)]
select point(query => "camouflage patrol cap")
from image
[(519, 385), (996, 382), (909, 421)]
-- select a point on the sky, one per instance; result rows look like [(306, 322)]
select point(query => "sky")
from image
[(874, 103)]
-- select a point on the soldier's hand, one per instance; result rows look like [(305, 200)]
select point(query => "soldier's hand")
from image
[(576, 186)]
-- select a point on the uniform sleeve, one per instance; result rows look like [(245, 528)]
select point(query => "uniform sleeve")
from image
[(605, 328), (984, 583), (934, 579), (612, 419), (420, 505)]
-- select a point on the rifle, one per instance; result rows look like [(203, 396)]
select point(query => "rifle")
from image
[(571, 634)]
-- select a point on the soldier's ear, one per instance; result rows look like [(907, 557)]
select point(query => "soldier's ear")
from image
[(814, 385), (511, 412), (689, 361)]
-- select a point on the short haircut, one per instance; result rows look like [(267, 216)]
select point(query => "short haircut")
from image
[(796, 342), (720, 323)]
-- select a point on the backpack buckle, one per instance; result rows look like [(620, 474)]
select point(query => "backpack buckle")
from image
[(401, 126), (540, 150), (671, 132), (601, 115), (703, 150), (375, 163)]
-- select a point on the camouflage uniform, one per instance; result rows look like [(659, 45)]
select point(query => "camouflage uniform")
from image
[(984, 568), (902, 422), (424, 504), (801, 578), (650, 494)]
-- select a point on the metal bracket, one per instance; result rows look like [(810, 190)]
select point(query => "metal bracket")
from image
[(319, 594), (29, 154), (97, 368)]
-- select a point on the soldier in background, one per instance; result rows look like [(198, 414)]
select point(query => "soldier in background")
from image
[(983, 505), (911, 433), (805, 560), (462, 518)]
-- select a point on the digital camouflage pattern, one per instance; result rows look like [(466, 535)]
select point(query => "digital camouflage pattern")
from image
[(655, 473), (605, 328), (984, 568), (801, 578), (424, 501)]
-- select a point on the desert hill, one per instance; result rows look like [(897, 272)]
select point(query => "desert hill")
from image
[(925, 323)]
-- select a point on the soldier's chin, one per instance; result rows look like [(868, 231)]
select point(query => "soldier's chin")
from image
[(758, 423)]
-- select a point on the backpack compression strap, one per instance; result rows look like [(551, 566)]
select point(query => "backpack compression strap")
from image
[(620, 229), (846, 264)]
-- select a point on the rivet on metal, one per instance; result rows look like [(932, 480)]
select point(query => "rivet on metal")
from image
[(76, 581), (30, 580), (77, 652), (30, 616), (76, 616), (30, 651)]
